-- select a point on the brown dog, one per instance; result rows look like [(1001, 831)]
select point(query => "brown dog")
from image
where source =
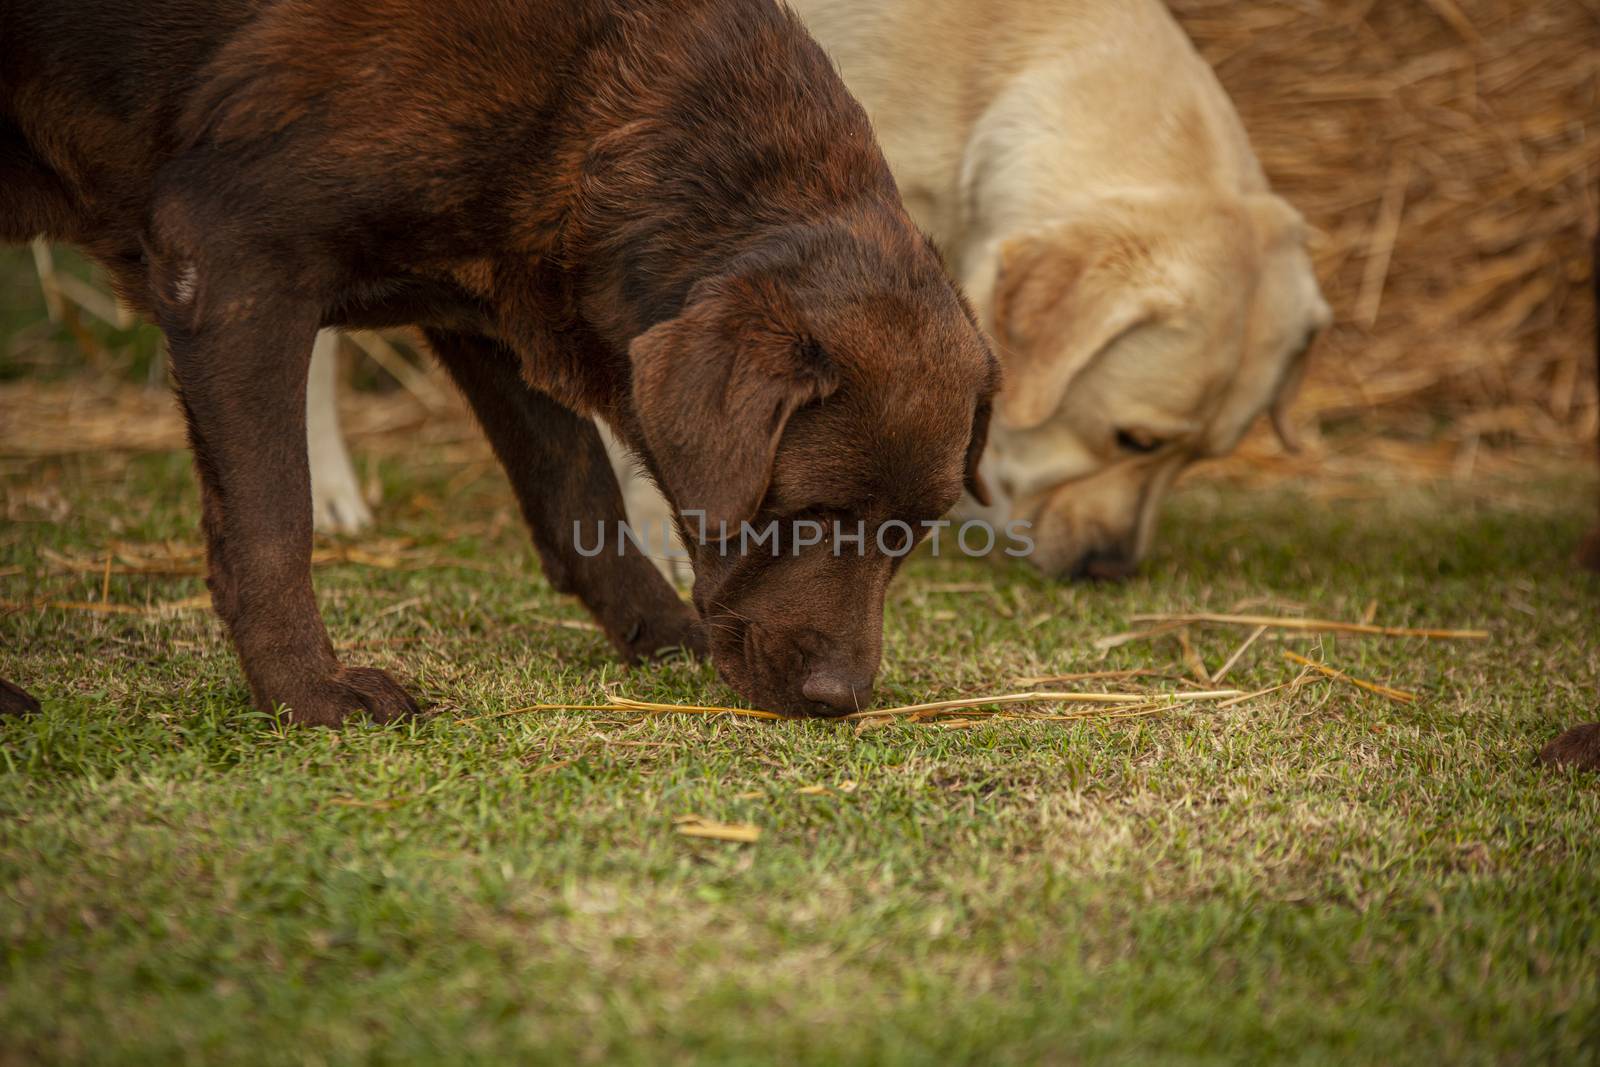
[(667, 214), (1580, 746)]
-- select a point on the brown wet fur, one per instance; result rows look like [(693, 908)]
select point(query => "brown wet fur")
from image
[(668, 214)]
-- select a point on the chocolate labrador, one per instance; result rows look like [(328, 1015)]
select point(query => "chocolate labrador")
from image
[(665, 213)]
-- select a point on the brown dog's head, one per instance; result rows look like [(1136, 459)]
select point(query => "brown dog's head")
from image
[(805, 394), (1140, 334)]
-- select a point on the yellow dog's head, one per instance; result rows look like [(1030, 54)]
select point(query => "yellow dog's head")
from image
[(1138, 334)]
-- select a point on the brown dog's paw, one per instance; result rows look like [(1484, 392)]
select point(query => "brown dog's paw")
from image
[(14, 700), (348, 693), (1579, 747)]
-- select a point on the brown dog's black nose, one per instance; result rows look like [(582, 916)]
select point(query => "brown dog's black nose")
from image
[(836, 690)]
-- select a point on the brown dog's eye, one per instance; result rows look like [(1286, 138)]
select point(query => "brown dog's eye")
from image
[(1138, 441)]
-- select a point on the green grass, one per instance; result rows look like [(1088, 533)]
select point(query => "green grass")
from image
[(1317, 877)]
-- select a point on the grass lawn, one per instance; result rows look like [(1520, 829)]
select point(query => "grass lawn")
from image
[(1321, 875)]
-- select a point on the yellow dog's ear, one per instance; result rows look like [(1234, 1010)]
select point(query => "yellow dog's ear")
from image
[(1279, 226), (1288, 390), (1275, 221), (1294, 376), (1059, 300)]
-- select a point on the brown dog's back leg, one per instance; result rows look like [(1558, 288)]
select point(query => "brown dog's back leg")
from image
[(240, 358), (562, 476)]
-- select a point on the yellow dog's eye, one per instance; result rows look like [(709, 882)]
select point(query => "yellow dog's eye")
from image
[(1138, 441)]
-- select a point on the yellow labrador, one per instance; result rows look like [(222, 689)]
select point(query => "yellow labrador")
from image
[(1093, 190), (1096, 195)]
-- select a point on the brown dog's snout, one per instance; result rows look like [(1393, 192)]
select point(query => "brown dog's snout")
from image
[(796, 671), (837, 688)]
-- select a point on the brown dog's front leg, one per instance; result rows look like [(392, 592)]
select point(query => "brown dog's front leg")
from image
[(564, 483), (240, 361)]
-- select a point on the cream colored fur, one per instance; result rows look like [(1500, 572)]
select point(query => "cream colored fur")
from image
[(337, 504), (1095, 193)]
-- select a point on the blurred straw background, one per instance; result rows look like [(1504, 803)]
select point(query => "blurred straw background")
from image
[(1448, 153)]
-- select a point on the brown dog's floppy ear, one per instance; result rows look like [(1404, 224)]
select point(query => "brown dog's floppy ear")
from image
[(1053, 313), (713, 390)]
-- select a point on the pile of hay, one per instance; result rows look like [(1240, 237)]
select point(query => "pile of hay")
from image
[(1448, 153)]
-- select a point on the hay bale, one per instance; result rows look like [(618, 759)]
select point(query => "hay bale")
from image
[(1448, 153)]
